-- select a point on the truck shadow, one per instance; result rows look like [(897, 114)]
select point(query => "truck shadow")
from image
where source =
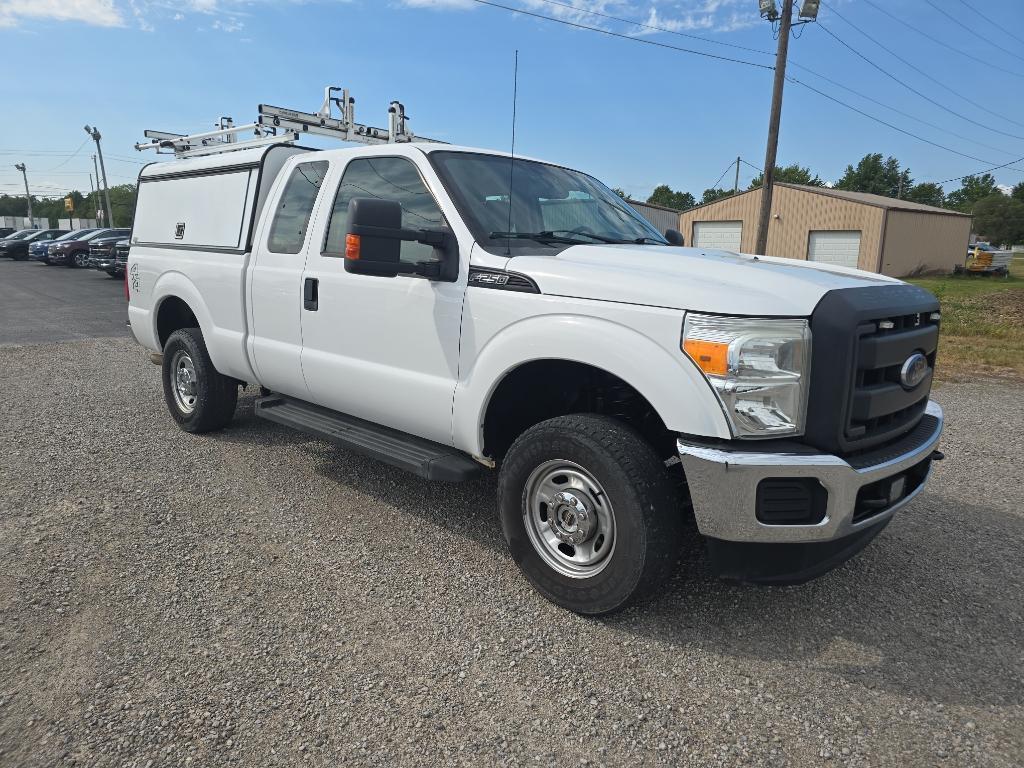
[(920, 613)]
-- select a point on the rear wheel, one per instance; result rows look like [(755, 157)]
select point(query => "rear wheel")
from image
[(199, 398), (589, 513)]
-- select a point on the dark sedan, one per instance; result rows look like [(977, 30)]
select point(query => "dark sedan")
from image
[(75, 253), (18, 249), (41, 251), (101, 250)]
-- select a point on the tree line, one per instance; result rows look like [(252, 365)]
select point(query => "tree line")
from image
[(122, 200), (998, 216)]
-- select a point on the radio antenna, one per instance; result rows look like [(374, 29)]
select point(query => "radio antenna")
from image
[(512, 160)]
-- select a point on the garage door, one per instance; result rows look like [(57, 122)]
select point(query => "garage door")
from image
[(724, 235), (839, 247)]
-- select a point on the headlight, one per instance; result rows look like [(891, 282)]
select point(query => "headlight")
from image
[(758, 367)]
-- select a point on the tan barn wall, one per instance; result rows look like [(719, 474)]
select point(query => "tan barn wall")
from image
[(799, 212), (923, 241)]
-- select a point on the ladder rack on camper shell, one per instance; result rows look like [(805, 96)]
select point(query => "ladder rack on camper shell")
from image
[(277, 125)]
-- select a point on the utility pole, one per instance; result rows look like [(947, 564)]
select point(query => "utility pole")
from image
[(736, 184), (808, 12), (28, 197), (99, 207), (94, 132)]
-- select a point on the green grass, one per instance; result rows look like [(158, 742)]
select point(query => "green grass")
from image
[(982, 324)]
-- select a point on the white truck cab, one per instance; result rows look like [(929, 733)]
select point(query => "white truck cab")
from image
[(453, 311)]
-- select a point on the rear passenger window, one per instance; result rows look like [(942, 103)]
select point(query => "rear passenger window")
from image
[(387, 178), (291, 218)]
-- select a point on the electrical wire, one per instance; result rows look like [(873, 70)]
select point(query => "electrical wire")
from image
[(919, 71), (727, 169), (978, 173), (974, 32), (994, 23), (792, 63), (70, 158), (946, 45), (890, 125), (622, 36), (791, 79)]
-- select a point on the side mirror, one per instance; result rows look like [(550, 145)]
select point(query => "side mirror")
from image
[(373, 243), (372, 246), (675, 237)]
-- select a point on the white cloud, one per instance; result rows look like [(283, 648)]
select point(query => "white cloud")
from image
[(672, 15), (227, 25), (100, 13)]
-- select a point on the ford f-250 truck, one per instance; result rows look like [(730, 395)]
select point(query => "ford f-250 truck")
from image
[(451, 311)]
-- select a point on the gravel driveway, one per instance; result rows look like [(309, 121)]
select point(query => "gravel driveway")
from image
[(260, 598)]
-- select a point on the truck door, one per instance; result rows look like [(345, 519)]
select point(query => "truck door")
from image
[(275, 280), (382, 349)]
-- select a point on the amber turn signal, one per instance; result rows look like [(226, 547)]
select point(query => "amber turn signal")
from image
[(712, 357), (352, 247)]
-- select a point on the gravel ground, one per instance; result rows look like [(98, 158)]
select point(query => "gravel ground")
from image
[(257, 597)]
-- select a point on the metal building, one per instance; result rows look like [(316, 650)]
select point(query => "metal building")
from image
[(851, 229), (662, 218)]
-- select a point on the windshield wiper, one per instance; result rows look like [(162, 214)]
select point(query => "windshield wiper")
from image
[(557, 236)]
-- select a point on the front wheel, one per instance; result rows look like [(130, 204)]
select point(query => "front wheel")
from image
[(199, 398), (589, 513)]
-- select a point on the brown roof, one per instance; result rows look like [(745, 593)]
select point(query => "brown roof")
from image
[(867, 198)]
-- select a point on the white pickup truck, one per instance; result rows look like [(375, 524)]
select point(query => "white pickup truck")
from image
[(452, 311)]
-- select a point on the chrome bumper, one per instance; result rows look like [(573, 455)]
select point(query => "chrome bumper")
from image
[(723, 487)]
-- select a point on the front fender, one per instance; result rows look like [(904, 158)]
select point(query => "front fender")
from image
[(669, 382)]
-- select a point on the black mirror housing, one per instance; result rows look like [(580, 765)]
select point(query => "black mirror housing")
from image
[(675, 237), (371, 244)]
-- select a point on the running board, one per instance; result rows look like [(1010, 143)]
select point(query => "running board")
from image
[(425, 458)]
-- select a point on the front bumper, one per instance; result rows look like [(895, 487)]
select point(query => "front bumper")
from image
[(101, 262), (723, 485)]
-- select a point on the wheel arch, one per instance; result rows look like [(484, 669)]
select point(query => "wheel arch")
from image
[(675, 391)]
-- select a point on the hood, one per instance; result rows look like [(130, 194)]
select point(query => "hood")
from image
[(690, 278)]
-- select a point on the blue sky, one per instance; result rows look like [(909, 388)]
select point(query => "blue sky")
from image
[(635, 115)]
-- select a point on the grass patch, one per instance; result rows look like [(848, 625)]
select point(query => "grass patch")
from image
[(982, 324)]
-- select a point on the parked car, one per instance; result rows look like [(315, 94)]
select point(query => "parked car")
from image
[(18, 249), (41, 251), (21, 234), (117, 262), (101, 249), (444, 325), (75, 253), (972, 250)]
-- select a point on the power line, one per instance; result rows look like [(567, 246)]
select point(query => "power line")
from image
[(654, 28), (912, 89), (978, 173), (762, 66), (1003, 27), (809, 70), (890, 125), (68, 159), (620, 35), (974, 32), (946, 45), (727, 169)]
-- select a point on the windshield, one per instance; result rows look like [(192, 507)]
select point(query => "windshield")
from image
[(78, 234), (22, 235), (550, 206)]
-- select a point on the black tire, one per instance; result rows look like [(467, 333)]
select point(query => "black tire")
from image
[(214, 395), (648, 519)]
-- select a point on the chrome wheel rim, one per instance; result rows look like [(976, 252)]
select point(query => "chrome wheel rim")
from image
[(183, 381), (569, 519)]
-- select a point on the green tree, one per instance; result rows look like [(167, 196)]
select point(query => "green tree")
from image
[(877, 176), (664, 195), (790, 174), (620, 192), (972, 189), (1000, 218), (1018, 192), (926, 193), (710, 195)]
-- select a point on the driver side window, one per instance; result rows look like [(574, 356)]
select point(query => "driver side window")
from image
[(386, 178)]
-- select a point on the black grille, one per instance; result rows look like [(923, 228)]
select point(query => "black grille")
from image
[(861, 337), (121, 254), (881, 404)]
